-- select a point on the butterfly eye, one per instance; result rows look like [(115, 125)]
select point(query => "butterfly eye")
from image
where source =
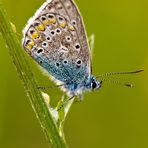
[(93, 85), (44, 44)]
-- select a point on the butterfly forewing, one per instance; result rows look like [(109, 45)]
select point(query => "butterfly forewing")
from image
[(55, 37)]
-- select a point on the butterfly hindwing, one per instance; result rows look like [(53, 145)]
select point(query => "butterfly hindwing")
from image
[(55, 37)]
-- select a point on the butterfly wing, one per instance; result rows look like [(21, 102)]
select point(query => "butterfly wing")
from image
[(55, 37)]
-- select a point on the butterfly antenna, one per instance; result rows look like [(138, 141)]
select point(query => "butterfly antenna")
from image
[(120, 73), (119, 83), (102, 77)]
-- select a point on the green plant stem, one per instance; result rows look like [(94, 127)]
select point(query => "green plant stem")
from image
[(46, 120)]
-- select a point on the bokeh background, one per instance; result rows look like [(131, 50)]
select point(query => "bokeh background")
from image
[(114, 116)]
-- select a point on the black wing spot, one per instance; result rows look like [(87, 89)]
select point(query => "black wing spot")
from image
[(79, 63), (40, 62), (49, 7), (57, 64), (48, 38), (32, 31), (43, 18), (65, 62), (40, 50), (50, 16), (58, 31), (56, 2), (61, 18), (52, 33), (77, 46), (73, 22), (44, 44), (68, 38), (27, 42), (36, 24)]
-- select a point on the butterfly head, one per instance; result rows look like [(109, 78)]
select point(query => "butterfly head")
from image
[(95, 84)]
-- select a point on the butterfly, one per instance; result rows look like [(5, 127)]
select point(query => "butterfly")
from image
[(55, 37)]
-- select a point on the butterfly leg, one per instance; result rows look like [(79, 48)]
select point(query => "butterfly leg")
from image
[(49, 87), (79, 99), (64, 103), (91, 41)]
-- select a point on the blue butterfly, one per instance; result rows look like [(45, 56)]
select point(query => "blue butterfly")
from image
[(56, 39)]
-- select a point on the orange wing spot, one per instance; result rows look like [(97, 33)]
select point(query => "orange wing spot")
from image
[(29, 44), (52, 20), (71, 28), (46, 22), (40, 27), (35, 35), (63, 24)]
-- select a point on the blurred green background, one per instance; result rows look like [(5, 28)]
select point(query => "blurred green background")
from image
[(114, 116)]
